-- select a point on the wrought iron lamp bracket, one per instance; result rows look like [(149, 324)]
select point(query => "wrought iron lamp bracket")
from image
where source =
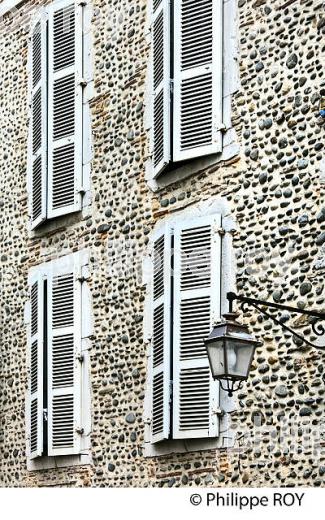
[(317, 327)]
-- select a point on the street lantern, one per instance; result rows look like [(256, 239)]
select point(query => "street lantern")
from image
[(231, 349)]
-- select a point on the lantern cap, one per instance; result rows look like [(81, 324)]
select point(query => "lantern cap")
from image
[(231, 328), (230, 348)]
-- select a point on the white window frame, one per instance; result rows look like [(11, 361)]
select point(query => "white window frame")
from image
[(42, 271), (214, 221), (76, 138), (83, 184), (228, 283), (214, 68), (230, 85)]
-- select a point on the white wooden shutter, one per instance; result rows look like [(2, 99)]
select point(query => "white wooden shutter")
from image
[(37, 141), (35, 413), (197, 285), (161, 135), (161, 335), (64, 361), (65, 107), (197, 78)]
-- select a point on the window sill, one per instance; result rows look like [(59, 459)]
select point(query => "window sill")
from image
[(174, 447), (231, 149), (53, 225), (44, 463)]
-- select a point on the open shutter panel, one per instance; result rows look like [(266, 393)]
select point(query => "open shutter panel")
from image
[(197, 78), (64, 363), (36, 369), (197, 254), (161, 324), (37, 149), (161, 85), (65, 108)]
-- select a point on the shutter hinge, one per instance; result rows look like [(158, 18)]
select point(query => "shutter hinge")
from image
[(218, 411), (83, 83), (45, 416), (82, 4), (221, 231), (81, 358), (223, 129), (90, 337), (147, 421), (171, 86), (82, 279), (80, 431)]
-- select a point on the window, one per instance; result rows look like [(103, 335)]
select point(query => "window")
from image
[(185, 302), (58, 332), (187, 60), (55, 156)]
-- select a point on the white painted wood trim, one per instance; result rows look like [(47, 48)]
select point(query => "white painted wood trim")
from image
[(74, 389), (226, 435), (38, 337), (77, 137), (77, 262), (214, 292), (42, 152), (231, 83), (215, 69), (164, 367), (164, 86), (88, 94)]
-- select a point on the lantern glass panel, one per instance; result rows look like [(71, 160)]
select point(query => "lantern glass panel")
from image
[(216, 354), (239, 357)]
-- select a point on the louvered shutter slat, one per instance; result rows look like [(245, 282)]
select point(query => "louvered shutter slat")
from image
[(197, 78), (161, 323), (37, 149), (64, 368), (160, 139), (65, 108), (35, 403), (197, 260)]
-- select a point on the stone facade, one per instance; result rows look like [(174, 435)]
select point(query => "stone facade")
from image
[(275, 191)]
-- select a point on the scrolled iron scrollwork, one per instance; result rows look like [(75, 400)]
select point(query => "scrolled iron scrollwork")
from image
[(244, 307), (318, 328), (316, 317)]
